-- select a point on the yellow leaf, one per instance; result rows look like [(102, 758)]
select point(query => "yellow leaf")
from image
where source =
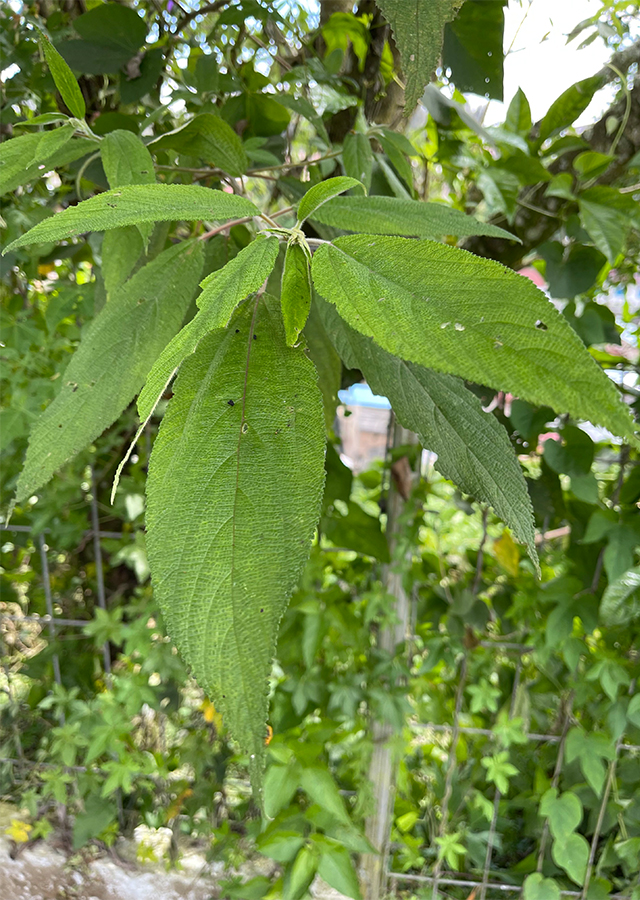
[(18, 831), (507, 553)]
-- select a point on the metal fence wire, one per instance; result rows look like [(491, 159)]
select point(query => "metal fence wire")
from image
[(437, 884)]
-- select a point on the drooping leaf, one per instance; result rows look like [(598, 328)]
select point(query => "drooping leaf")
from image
[(417, 27), (327, 363), (64, 78), (607, 216), (242, 436), (569, 105), (473, 448), (298, 878), (357, 158), (472, 48), (336, 867), (110, 365), (209, 137), (452, 311), (391, 215), (319, 194), (126, 160), (621, 599), (222, 291), (24, 157), (296, 292), (134, 204)]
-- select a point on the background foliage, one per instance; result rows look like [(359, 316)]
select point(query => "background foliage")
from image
[(515, 657)]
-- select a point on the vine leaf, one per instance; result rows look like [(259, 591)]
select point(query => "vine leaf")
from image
[(133, 204), (392, 215), (418, 27), (296, 292), (235, 481), (449, 310), (473, 448), (110, 365)]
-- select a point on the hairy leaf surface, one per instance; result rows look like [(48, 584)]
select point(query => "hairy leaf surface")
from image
[(296, 292), (473, 448), (321, 193), (133, 204), (110, 365), (121, 249), (392, 215), (64, 78), (126, 160), (449, 310), (222, 291), (235, 484), (418, 27)]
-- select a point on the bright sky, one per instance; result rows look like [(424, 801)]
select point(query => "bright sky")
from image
[(544, 68)]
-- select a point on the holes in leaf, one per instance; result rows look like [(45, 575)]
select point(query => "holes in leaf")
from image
[(541, 326)]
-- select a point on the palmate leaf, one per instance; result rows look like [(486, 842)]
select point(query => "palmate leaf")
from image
[(418, 27), (234, 491), (134, 204), (392, 215), (473, 448), (449, 310), (110, 365)]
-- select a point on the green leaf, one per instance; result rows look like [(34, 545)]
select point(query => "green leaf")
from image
[(112, 33), (357, 158), (320, 786), (569, 105), (572, 855), (282, 846), (296, 292), (336, 867), (298, 878), (280, 785), (621, 600), (64, 78), (357, 531), (446, 309), (417, 27), (607, 215), (537, 887), (633, 711), (234, 441), (327, 363), (98, 384), (472, 48), (391, 215), (23, 158), (209, 137), (519, 114), (564, 812), (473, 448), (126, 160), (222, 291), (121, 249), (319, 194), (134, 204), (572, 455)]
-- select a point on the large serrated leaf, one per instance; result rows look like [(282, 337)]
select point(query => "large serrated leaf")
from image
[(111, 363), (235, 481), (136, 203), (418, 27), (473, 448), (449, 310), (391, 215), (222, 291)]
